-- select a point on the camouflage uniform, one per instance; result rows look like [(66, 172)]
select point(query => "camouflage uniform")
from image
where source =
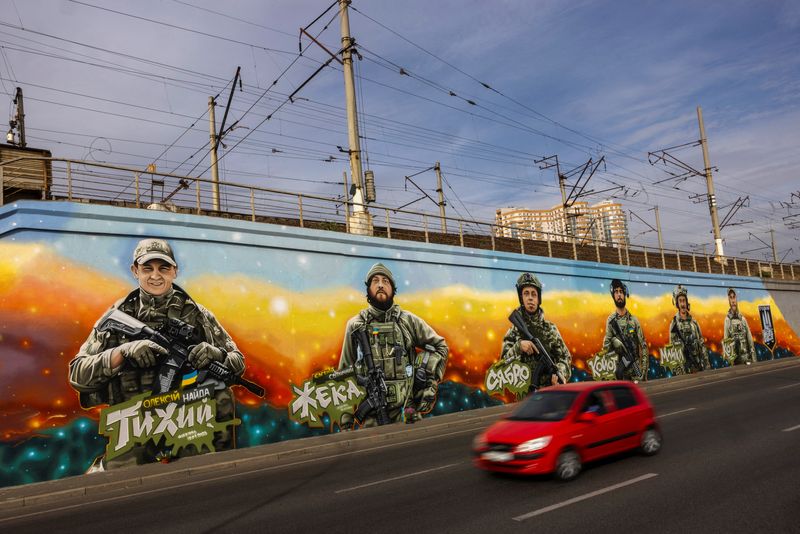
[(690, 331), (394, 336), (551, 339), (90, 372), (630, 328), (736, 328)]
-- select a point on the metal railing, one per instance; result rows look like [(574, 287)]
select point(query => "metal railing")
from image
[(100, 183)]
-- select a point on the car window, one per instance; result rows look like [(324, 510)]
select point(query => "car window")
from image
[(623, 397), (597, 402), (544, 406)]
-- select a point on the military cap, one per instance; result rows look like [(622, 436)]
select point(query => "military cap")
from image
[(151, 249)]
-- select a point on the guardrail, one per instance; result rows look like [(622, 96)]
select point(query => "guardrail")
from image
[(101, 183)]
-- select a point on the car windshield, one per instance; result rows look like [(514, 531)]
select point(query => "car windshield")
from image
[(544, 406)]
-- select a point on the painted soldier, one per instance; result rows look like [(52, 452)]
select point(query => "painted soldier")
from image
[(737, 329), (684, 329), (394, 335), (529, 294), (110, 369), (625, 337)]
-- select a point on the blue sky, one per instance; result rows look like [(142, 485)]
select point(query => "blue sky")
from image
[(577, 79)]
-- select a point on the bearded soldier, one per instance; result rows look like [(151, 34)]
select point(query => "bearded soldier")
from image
[(110, 369), (529, 294), (411, 378), (625, 337), (736, 328), (684, 330)]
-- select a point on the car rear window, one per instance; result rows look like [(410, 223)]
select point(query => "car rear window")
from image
[(544, 406), (623, 398)]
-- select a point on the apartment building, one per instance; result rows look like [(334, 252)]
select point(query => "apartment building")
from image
[(604, 221)]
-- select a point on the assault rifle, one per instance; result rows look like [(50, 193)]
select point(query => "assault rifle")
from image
[(374, 383), (628, 357), (176, 337), (689, 358), (545, 365)]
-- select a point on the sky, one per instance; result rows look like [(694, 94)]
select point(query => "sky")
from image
[(128, 83)]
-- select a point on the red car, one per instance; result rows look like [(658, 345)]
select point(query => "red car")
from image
[(558, 429)]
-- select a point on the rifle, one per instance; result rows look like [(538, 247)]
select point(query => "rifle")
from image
[(546, 363), (176, 338), (687, 351), (628, 357), (374, 383)]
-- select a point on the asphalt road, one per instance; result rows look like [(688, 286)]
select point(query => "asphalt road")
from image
[(729, 464)]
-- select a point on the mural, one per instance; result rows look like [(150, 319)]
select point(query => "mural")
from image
[(286, 309)]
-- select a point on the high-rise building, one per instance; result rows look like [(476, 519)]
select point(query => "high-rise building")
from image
[(604, 222)]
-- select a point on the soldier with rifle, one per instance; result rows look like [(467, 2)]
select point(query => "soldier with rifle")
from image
[(625, 337), (737, 329), (534, 340), (116, 364), (381, 344), (684, 330)]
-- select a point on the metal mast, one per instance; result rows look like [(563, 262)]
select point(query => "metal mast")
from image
[(360, 220)]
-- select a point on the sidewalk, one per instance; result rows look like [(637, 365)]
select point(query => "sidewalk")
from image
[(275, 455)]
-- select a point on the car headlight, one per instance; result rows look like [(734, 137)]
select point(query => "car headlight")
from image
[(479, 442), (533, 444)]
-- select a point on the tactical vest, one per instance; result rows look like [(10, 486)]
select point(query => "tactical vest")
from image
[(389, 353), (628, 329), (737, 329), (689, 334), (131, 381), (538, 330)]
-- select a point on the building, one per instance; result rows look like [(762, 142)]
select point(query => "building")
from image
[(605, 222), (25, 173)]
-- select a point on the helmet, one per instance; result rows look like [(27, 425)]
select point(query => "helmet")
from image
[(380, 268), (528, 279), (731, 290), (615, 283), (677, 292)]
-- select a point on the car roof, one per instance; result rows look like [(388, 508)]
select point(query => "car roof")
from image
[(590, 384)]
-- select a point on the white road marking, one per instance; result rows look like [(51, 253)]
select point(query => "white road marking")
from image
[(568, 502), (789, 386), (791, 428), (676, 413), (395, 478), (231, 475)]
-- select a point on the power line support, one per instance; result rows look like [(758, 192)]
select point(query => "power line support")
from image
[(774, 250), (361, 222), (712, 200), (18, 122), (660, 240), (212, 128), (439, 190)]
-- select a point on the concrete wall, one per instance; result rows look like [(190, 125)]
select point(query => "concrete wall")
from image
[(284, 294)]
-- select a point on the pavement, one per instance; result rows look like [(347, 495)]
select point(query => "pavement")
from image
[(208, 466)]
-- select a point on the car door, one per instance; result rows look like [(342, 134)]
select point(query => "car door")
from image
[(596, 437), (628, 414)]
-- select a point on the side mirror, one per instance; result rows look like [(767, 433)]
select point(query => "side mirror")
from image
[(587, 417)]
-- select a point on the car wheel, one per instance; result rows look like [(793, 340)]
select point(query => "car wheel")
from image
[(568, 465), (650, 443)]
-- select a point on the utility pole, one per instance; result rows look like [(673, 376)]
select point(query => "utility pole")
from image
[(18, 122), (212, 128), (712, 200), (361, 221), (658, 228), (774, 250), (439, 190)]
